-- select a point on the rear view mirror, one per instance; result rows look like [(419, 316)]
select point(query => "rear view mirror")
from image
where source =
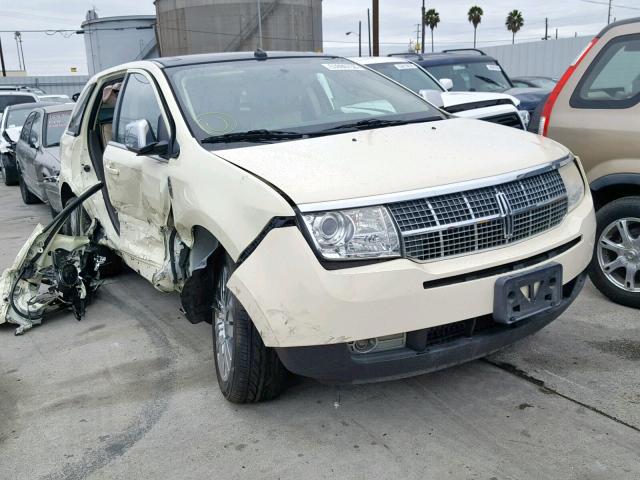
[(447, 83), (434, 97)]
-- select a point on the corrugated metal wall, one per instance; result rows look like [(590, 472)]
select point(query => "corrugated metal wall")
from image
[(548, 58), (65, 84)]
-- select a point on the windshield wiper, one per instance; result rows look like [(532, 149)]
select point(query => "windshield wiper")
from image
[(489, 80), (373, 123), (253, 136)]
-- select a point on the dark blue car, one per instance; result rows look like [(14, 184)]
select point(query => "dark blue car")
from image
[(472, 70)]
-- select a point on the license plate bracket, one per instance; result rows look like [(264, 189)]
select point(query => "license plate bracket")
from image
[(520, 296)]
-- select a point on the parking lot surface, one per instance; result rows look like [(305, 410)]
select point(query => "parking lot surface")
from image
[(130, 392)]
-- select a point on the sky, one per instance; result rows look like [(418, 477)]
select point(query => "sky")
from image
[(56, 53)]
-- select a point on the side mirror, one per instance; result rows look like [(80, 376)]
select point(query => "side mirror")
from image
[(139, 138), (34, 144), (6, 136), (447, 83), (434, 97), (75, 96)]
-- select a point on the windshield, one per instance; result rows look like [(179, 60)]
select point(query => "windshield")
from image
[(407, 74), (56, 125), (16, 118), (6, 100), (473, 76), (303, 95)]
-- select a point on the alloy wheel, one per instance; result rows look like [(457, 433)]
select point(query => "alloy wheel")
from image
[(619, 253), (223, 327)]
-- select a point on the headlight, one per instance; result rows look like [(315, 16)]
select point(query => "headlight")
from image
[(573, 182), (367, 232), (525, 117)]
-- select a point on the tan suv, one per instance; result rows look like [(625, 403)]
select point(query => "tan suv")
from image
[(595, 111)]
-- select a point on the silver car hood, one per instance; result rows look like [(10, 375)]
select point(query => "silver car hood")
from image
[(393, 159)]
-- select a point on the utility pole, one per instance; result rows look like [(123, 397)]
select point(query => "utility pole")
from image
[(15, 37), (259, 26), (359, 38), (4, 71), (556, 33), (546, 29), (422, 23), (609, 14), (369, 29), (376, 28), (24, 65)]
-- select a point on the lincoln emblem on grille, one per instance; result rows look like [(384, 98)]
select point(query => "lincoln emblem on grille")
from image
[(505, 213)]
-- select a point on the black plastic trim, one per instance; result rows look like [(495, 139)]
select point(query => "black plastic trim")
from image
[(502, 269), (473, 105), (615, 179)]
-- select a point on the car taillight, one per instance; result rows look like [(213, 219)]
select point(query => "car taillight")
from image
[(543, 126)]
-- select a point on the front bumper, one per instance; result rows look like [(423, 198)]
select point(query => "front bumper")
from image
[(295, 302), (336, 364)]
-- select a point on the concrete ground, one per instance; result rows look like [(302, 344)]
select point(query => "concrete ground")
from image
[(130, 392)]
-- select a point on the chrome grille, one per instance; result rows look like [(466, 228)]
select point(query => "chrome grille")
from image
[(479, 219)]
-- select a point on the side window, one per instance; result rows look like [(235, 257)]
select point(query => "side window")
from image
[(613, 78), (36, 128), (75, 122), (26, 128), (138, 102)]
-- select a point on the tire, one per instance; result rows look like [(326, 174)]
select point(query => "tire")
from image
[(27, 197), (247, 370), (9, 174), (612, 266)]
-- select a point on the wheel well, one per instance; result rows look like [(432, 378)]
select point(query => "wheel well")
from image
[(205, 258), (613, 192)]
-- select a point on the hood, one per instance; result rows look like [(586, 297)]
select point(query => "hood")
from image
[(393, 159), (460, 98), (529, 97)]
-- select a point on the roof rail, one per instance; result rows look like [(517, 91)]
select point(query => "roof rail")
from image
[(477, 50)]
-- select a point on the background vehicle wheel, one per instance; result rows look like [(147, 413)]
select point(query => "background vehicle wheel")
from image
[(27, 197), (9, 174), (247, 371), (615, 266)]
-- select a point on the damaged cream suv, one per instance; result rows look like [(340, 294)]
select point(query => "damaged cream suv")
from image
[(325, 220)]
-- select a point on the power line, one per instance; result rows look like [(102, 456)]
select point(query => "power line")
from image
[(615, 5)]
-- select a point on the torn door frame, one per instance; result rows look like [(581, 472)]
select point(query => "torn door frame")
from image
[(51, 272)]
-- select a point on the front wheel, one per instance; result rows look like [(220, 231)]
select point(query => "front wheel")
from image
[(10, 173), (615, 266), (247, 370), (27, 197)]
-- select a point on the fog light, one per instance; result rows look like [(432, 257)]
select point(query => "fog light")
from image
[(380, 344), (364, 346)]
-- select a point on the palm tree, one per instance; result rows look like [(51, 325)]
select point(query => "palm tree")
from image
[(475, 16), (431, 19), (514, 23)]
